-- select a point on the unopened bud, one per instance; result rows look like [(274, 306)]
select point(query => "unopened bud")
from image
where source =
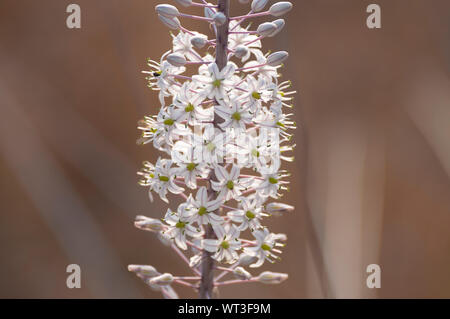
[(146, 223), (280, 237), (272, 278), (279, 208), (167, 10), (258, 5), (184, 3), (195, 261), (209, 12), (164, 238), (198, 42), (172, 23), (143, 270), (170, 293), (280, 8), (176, 59), (277, 58), (240, 51), (241, 273), (267, 28), (161, 280), (246, 260), (219, 19), (280, 25)]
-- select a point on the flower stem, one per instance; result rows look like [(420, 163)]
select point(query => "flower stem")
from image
[(207, 268)]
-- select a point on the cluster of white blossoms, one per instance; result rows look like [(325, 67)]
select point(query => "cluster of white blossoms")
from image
[(223, 132)]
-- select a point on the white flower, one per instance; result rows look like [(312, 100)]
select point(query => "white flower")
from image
[(264, 248), (271, 184), (203, 208), (216, 83), (235, 117), (153, 131), (259, 152), (161, 77), (226, 245), (168, 127), (182, 44), (244, 39), (188, 105), (266, 71), (228, 184), (163, 179), (257, 93), (189, 165), (210, 147), (180, 226), (250, 214)]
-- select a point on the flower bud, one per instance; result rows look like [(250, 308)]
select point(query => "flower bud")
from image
[(176, 59), (277, 58), (209, 12), (267, 28), (241, 273), (172, 23), (246, 260), (143, 270), (280, 8), (279, 208), (280, 25), (258, 5), (170, 293), (161, 280), (195, 261), (164, 238), (198, 42), (272, 278), (146, 223), (280, 237), (167, 10), (219, 19), (184, 3), (241, 51)]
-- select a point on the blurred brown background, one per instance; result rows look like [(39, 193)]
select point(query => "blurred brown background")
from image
[(371, 180)]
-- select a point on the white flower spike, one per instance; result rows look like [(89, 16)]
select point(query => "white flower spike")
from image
[(223, 135)]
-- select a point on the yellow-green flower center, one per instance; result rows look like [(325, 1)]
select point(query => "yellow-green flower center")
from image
[(191, 166), (265, 247), (236, 116), (256, 95), (225, 244), (273, 180), (189, 108), (180, 224), (230, 185), (211, 146), (202, 211), (255, 153), (163, 178), (217, 83), (169, 122), (250, 215), (280, 124)]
